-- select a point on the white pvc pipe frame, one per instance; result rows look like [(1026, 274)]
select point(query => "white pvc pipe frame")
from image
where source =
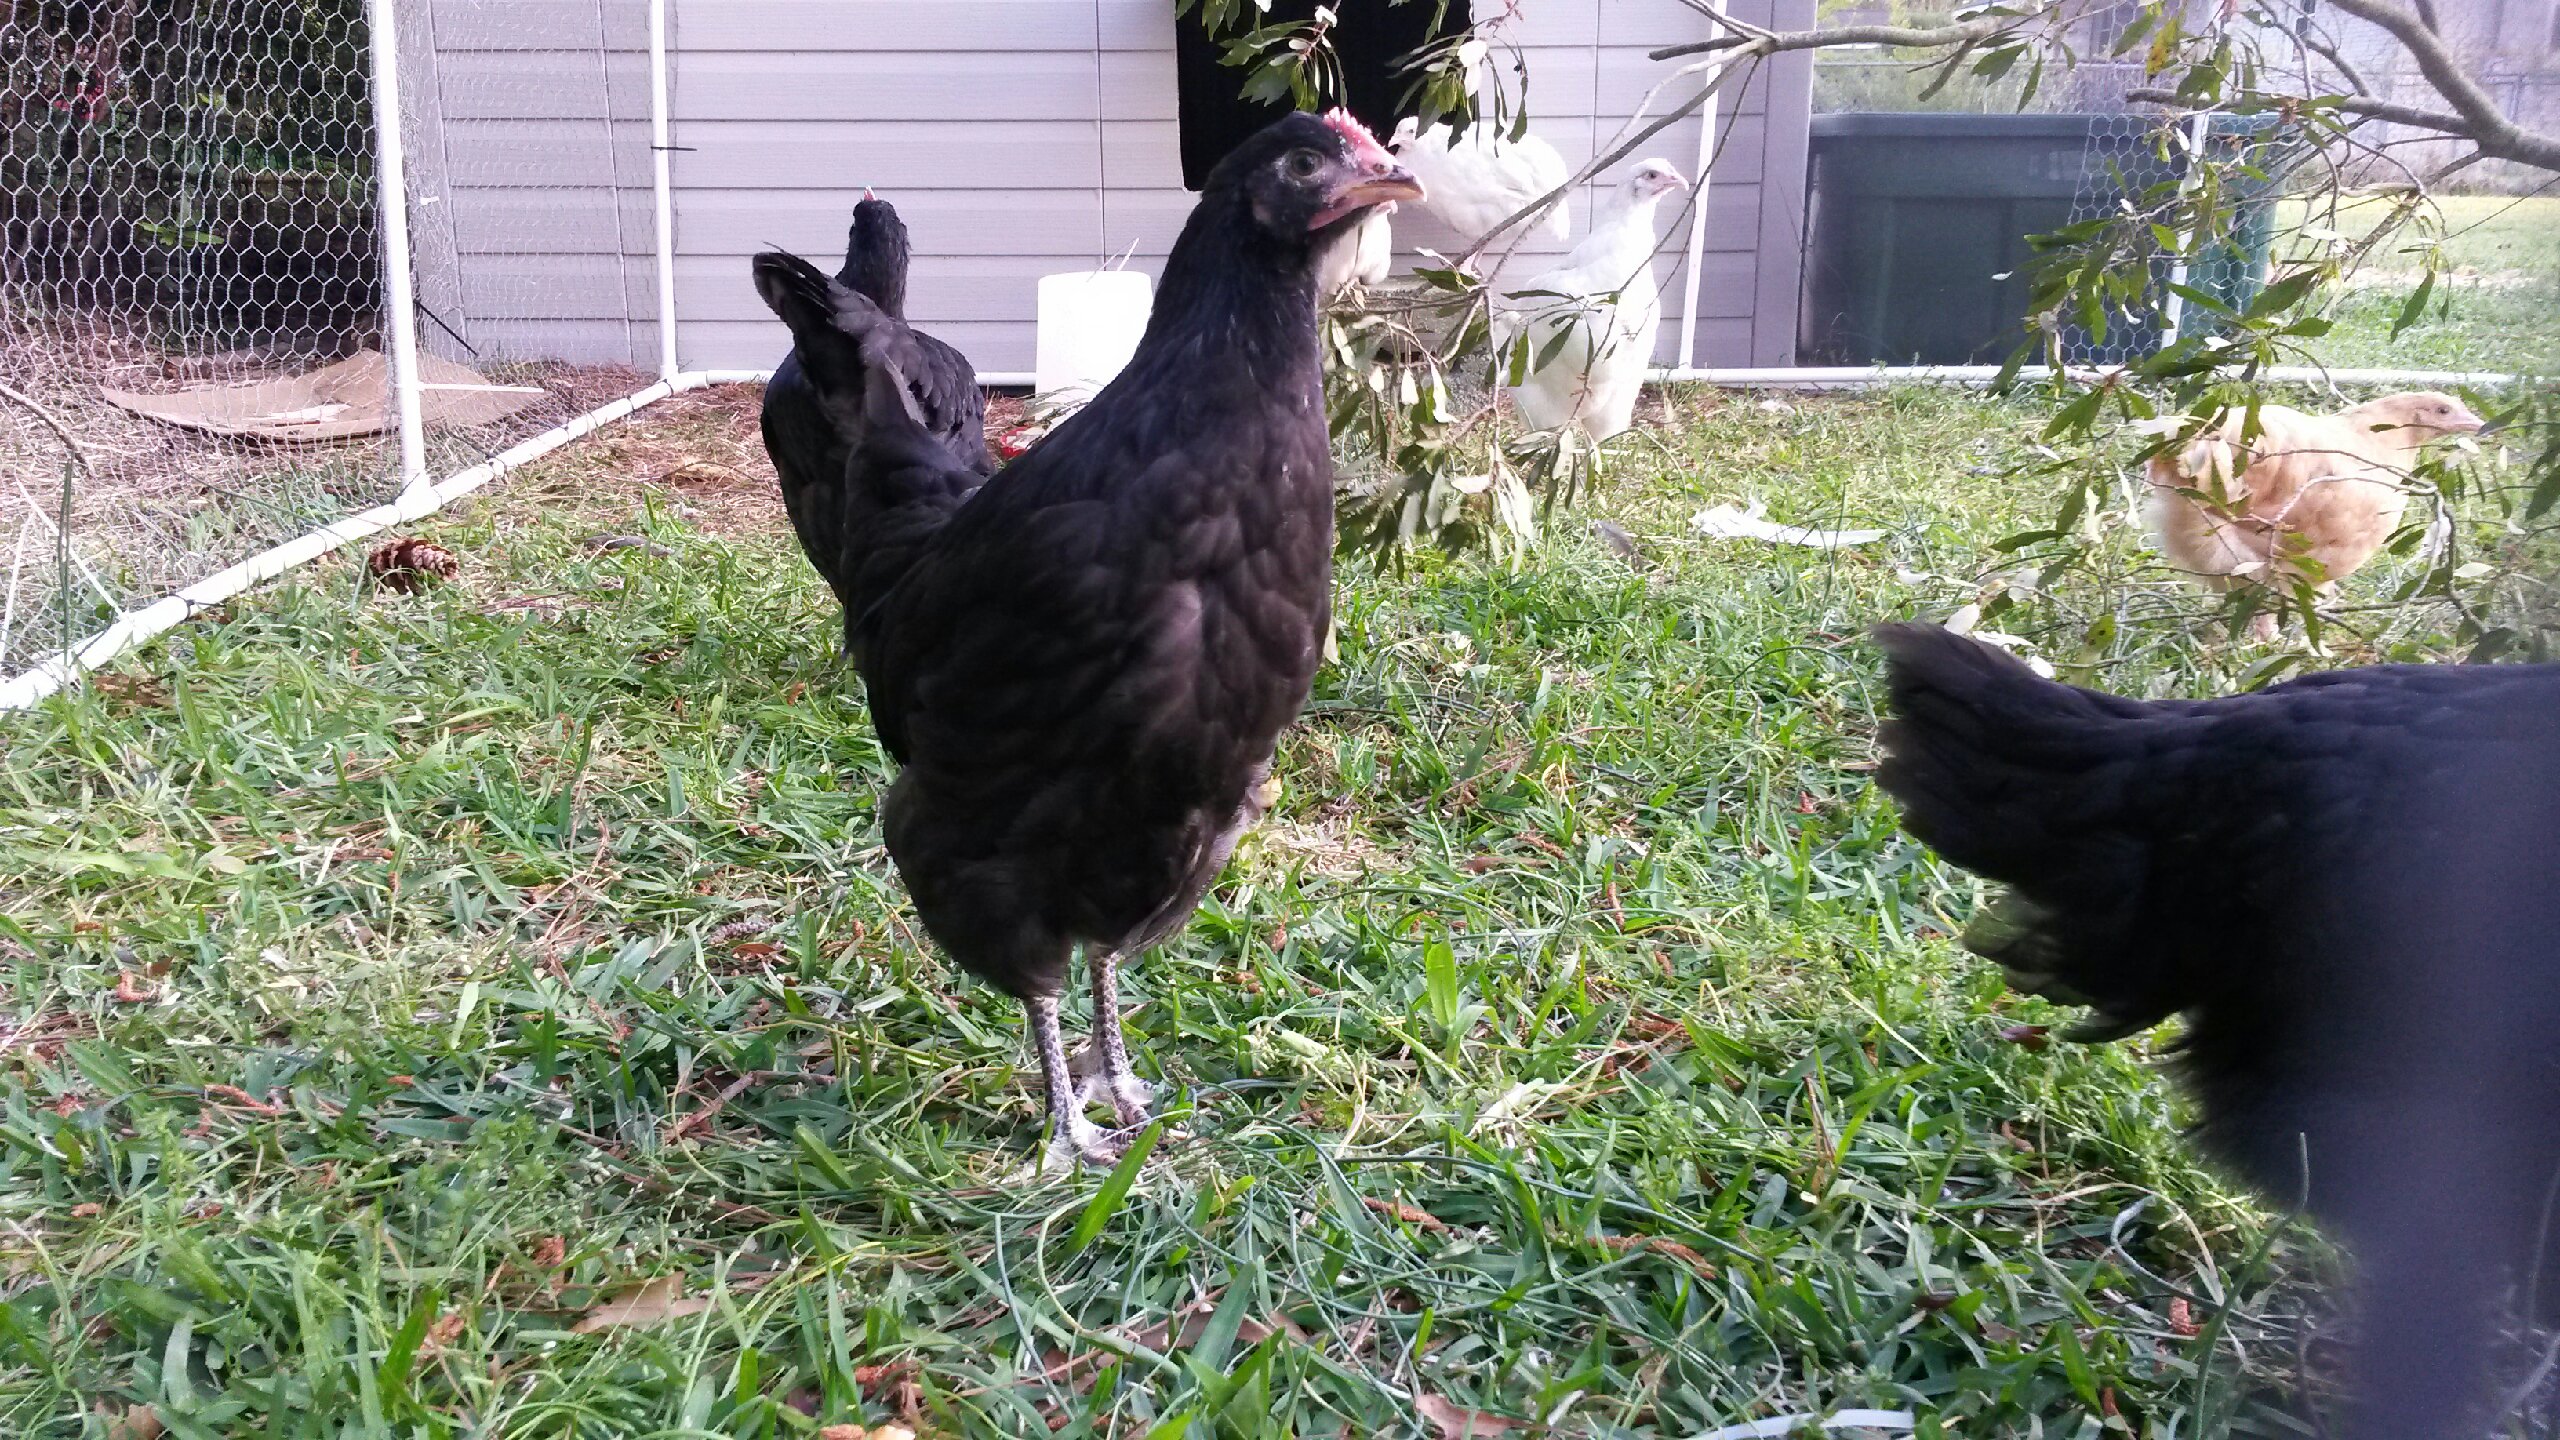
[(420, 497)]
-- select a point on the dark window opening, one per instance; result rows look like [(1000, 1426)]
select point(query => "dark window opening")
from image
[(1373, 38)]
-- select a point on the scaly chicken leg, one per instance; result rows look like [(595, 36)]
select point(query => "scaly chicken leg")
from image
[(1072, 1137), (1105, 1064)]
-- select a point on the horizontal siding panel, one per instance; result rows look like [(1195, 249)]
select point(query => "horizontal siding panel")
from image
[(511, 25), (1138, 25), (892, 155), (1143, 152), (556, 222), (561, 287), (1720, 342), (548, 152), (913, 85), (757, 345), (942, 222), (1617, 81), (1741, 146), (1669, 22), (1724, 292), (764, 26), (537, 86), (941, 290), (1644, 23), (939, 222), (580, 342)]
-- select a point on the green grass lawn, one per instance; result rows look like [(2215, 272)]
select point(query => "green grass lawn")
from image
[(399, 985), (2496, 308)]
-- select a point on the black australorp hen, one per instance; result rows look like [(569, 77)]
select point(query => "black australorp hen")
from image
[(1084, 671), (2346, 885), (817, 389)]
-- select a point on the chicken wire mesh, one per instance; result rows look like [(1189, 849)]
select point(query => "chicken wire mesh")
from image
[(2136, 165), (188, 202), (186, 196)]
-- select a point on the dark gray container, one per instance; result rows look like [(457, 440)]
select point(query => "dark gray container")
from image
[(1917, 247)]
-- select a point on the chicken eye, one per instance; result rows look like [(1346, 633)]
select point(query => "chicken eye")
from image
[(1303, 164)]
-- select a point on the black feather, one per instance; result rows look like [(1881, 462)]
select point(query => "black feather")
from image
[(2344, 885), (819, 384), (1086, 670)]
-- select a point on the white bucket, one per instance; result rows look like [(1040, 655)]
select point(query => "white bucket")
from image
[(1090, 322)]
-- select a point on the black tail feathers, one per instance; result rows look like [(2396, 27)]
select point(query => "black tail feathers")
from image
[(2040, 785)]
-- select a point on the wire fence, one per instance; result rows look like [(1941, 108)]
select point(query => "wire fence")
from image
[(194, 333)]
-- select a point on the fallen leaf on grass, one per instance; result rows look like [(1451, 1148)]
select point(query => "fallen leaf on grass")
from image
[(1651, 1025), (660, 1300), (1453, 1423), (1406, 1213), (1659, 1246), (130, 989), (756, 950), (407, 565), (704, 472), (142, 692), (550, 1251), (133, 1422), (445, 1330), (892, 1383)]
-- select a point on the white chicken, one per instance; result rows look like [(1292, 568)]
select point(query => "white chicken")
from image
[(1475, 181), (1361, 258), (1604, 294)]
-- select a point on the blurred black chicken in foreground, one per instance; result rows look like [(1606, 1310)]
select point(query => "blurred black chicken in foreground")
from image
[(2349, 885)]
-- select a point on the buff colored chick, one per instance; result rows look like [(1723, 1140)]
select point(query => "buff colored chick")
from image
[(2311, 498)]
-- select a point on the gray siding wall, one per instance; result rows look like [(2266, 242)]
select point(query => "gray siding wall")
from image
[(531, 208), (1017, 137)]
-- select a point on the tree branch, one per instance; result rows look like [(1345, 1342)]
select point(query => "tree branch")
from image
[(2386, 110), (2328, 50), (2487, 126), (1706, 94), (1777, 42)]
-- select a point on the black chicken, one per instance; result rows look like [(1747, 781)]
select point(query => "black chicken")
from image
[(1084, 669), (2345, 884), (807, 402)]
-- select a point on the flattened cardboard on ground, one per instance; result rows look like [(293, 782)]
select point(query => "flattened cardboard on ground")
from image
[(344, 401)]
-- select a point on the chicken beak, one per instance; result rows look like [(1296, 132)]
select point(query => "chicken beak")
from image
[(1378, 183)]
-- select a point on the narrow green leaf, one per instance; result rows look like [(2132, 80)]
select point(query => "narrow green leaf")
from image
[(2416, 306), (1115, 1188)]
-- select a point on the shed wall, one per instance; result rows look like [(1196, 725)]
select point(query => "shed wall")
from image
[(1017, 137)]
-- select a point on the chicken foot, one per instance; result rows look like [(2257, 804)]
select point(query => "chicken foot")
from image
[(1103, 1067), (1072, 1137)]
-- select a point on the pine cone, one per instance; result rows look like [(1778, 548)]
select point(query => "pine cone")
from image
[(406, 565)]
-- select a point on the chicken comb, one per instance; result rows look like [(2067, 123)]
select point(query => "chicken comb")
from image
[(1364, 146)]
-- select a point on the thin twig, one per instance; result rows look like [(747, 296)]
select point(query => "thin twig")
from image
[(78, 448)]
